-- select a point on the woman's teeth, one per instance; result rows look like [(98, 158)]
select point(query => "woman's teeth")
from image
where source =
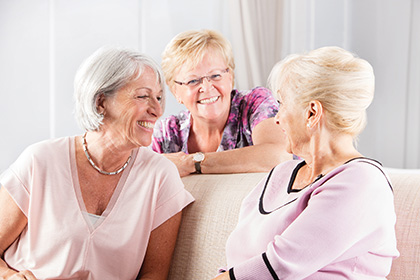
[(146, 124), (209, 100)]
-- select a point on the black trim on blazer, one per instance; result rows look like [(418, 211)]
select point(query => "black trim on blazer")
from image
[(270, 268), (289, 188), (231, 274), (293, 177)]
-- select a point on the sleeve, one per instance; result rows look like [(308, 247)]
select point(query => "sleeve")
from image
[(172, 197), (16, 180), (344, 217), (169, 134), (157, 139), (262, 105)]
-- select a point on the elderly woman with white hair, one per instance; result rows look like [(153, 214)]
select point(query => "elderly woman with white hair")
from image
[(99, 205), (329, 215)]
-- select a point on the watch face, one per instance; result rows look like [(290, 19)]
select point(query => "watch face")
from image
[(198, 157)]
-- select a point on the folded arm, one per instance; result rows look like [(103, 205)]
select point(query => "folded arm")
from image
[(268, 151)]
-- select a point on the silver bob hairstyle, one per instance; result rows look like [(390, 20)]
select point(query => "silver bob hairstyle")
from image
[(342, 82), (105, 72)]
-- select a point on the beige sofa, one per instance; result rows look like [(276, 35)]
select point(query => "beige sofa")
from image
[(206, 224)]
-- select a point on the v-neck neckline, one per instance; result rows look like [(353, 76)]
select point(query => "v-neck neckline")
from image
[(78, 192)]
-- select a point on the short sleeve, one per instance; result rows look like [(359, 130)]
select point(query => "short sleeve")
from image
[(262, 105), (170, 135), (16, 180), (157, 138), (172, 197)]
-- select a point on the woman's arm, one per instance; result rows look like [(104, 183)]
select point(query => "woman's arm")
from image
[(268, 151), (12, 223), (160, 249)]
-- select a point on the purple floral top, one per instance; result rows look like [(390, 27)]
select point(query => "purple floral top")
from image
[(248, 108)]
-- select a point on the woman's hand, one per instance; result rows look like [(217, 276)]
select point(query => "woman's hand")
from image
[(15, 275), (183, 162), (223, 276)]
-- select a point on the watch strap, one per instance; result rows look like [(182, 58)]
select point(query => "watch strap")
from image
[(197, 167)]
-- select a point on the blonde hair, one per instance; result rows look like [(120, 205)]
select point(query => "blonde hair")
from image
[(342, 82), (189, 47)]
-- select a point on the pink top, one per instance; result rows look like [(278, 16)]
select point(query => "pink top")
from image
[(60, 242), (339, 227)]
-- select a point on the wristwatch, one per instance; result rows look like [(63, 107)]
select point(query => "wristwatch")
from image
[(198, 158)]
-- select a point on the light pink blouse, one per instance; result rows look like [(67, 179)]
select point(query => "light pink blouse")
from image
[(59, 242)]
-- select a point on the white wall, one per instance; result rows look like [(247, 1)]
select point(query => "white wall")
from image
[(44, 41)]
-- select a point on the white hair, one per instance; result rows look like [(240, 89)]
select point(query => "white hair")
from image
[(103, 73)]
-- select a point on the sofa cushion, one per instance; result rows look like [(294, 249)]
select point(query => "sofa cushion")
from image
[(207, 223)]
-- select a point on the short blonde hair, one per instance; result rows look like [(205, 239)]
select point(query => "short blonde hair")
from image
[(342, 82), (189, 47)]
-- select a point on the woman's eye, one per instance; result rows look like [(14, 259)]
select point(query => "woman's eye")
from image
[(215, 76), (142, 96), (159, 99), (193, 82)]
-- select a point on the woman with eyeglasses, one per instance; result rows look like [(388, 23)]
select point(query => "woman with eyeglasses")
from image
[(99, 205), (223, 130)]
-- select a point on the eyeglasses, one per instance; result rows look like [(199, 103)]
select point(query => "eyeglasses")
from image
[(215, 77)]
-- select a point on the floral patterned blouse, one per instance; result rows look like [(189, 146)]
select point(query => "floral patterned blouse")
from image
[(248, 108)]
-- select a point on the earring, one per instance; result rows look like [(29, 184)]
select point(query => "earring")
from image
[(308, 125), (179, 100)]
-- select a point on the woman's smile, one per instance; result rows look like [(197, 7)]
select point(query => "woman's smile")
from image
[(146, 124), (208, 100)]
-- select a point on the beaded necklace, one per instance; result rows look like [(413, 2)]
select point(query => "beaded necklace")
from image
[(96, 167)]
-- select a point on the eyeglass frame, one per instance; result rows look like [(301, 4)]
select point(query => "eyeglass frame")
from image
[(208, 77)]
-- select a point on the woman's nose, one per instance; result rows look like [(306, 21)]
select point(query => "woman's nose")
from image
[(206, 84), (155, 107)]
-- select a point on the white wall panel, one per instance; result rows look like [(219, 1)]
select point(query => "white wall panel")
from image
[(81, 27), (24, 110), (382, 37)]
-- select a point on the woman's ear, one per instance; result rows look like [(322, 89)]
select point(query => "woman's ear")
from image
[(314, 113), (100, 104), (176, 95)]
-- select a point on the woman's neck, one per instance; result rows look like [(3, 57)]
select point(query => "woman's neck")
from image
[(105, 152), (205, 136), (328, 155)]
